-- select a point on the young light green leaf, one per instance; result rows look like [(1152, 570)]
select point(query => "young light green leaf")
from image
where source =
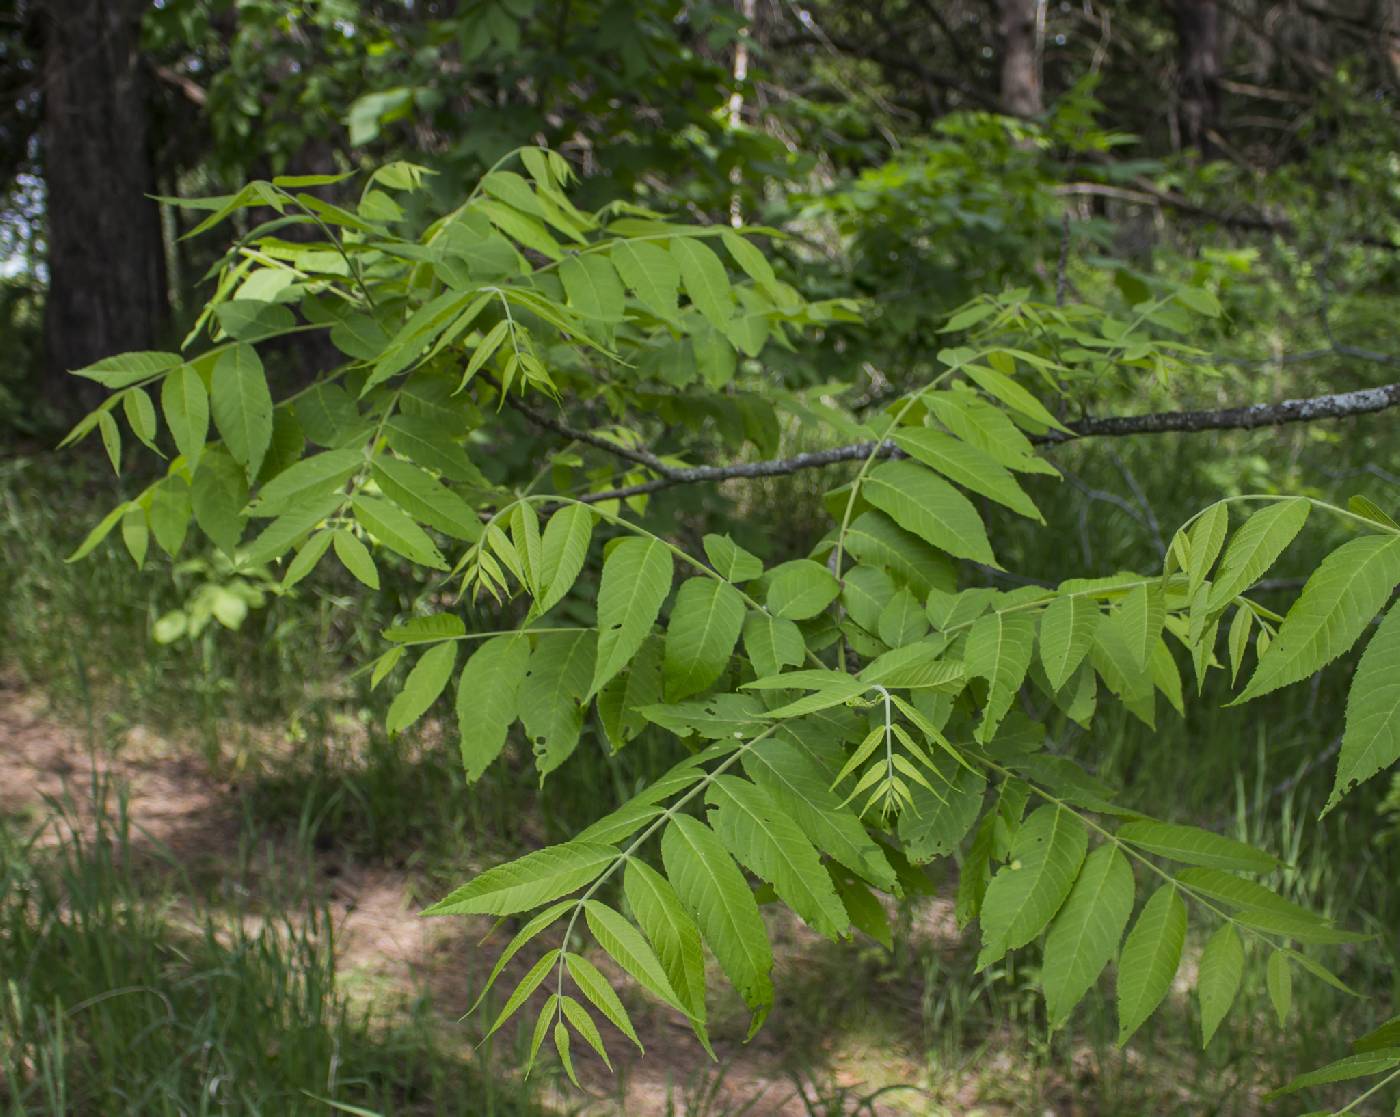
[(395, 530), (355, 557), (964, 464), (763, 837), (1194, 846), (1255, 547), (242, 406), (563, 551), (1340, 599), (529, 881), (1066, 635), (636, 580), (532, 980), (486, 699), (626, 946), (307, 479), (799, 590), (1003, 388), (1087, 931), (1218, 982), (124, 369), (1150, 959), (672, 933), (426, 499), (713, 890), (700, 635), (1371, 741), (425, 682), (920, 501), (578, 1016), (801, 790), (593, 985), (1046, 855)]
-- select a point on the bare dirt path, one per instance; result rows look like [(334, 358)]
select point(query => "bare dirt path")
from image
[(182, 815)]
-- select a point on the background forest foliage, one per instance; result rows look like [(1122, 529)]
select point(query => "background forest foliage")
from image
[(1205, 190)]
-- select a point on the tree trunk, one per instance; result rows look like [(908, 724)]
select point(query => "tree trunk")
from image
[(1198, 46), (106, 257), (1020, 61)]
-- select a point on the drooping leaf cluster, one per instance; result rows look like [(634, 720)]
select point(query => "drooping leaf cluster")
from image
[(839, 719)]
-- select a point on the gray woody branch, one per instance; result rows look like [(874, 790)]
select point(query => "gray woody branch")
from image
[(1337, 405)]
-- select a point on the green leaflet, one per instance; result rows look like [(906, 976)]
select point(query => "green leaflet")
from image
[(700, 636), (713, 890), (902, 620), (1372, 738), (717, 717), (125, 369), (434, 627), (550, 694), (529, 881), (1087, 931), (731, 561), (987, 428), (762, 836), (392, 527), (671, 932), (967, 466), (1194, 846), (1279, 979), (1345, 592), (578, 1016), (593, 288), (636, 580), (1255, 547), (306, 480), (920, 501), (486, 699), (1003, 388), (801, 589), (865, 591), (242, 406), (875, 539), (1221, 969), (772, 643), (426, 499), (355, 557), (704, 279), (1343, 1070), (1066, 635), (940, 818), (800, 789), (254, 319), (433, 446), (563, 551), (1046, 855), (185, 402), (1151, 955), (651, 272), (217, 496), (999, 649), (593, 985), (620, 702), (1246, 894), (626, 946), (1138, 620), (425, 682)]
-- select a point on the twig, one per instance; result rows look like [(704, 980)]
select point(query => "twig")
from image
[(1336, 405)]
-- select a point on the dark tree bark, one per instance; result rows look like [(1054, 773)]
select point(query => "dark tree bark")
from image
[(1020, 62), (106, 257), (1198, 47)]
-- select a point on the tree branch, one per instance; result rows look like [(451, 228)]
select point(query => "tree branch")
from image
[(1337, 405)]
